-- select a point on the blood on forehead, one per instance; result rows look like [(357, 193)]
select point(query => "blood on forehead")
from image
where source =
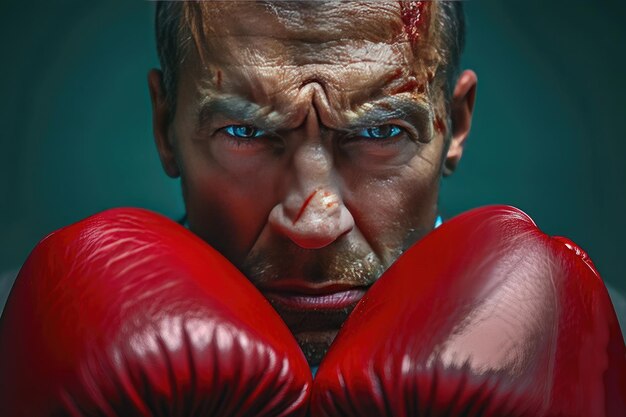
[(414, 16), (277, 30)]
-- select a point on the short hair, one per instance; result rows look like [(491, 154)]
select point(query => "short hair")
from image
[(173, 39)]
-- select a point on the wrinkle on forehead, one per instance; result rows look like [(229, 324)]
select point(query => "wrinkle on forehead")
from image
[(318, 23), (266, 51), (270, 52), (308, 21)]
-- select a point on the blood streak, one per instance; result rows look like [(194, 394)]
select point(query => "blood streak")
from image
[(408, 86), (219, 79), (394, 76), (413, 16), (304, 205), (439, 125)]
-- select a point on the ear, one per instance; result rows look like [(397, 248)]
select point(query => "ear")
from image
[(161, 123), (461, 111)]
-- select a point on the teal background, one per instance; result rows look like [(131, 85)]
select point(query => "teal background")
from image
[(76, 127)]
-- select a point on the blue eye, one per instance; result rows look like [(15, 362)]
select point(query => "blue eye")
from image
[(244, 131), (380, 132)]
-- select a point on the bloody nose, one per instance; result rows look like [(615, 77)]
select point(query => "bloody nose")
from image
[(314, 221)]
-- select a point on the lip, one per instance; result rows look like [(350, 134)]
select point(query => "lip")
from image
[(300, 295)]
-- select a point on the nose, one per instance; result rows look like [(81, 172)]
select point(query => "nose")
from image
[(312, 214)]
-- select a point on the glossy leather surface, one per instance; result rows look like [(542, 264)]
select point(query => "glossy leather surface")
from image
[(127, 313), (486, 316)]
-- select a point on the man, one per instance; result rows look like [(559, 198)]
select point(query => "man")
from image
[(312, 132), (310, 138)]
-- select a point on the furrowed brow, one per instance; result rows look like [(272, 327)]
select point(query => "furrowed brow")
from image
[(237, 109)]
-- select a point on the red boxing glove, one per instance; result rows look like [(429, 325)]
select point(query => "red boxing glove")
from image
[(486, 316), (129, 314)]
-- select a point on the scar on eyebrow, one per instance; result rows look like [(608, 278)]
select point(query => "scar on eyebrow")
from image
[(304, 206), (414, 14)]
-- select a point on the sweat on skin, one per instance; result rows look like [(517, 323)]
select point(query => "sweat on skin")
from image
[(306, 199)]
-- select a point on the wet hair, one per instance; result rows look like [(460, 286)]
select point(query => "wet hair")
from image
[(173, 40)]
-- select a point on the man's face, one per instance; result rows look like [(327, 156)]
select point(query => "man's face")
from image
[(310, 140)]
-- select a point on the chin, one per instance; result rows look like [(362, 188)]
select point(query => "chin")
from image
[(315, 344)]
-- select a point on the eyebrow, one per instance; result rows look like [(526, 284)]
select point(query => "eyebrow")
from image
[(382, 111), (239, 109), (375, 113)]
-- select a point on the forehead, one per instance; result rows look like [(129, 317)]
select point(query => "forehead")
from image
[(266, 51), (306, 21), (303, 32)]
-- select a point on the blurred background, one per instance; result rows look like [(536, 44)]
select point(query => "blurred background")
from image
[(547, 137)]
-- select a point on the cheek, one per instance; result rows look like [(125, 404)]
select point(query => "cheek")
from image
[(390, 210), (226, 207)]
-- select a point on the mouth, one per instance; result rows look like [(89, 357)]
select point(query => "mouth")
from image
[(299, 295), (314, 313)]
